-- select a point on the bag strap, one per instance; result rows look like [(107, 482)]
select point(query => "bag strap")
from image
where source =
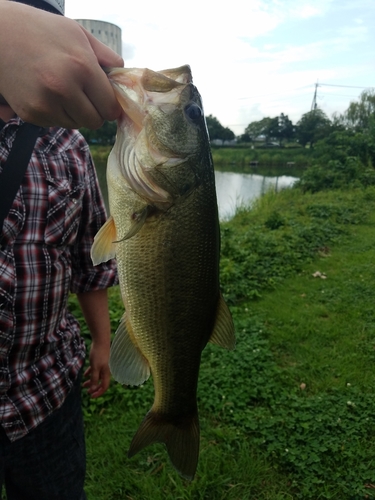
[(15, 167)]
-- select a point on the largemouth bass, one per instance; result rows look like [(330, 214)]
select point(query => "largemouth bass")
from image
[(164, 232)]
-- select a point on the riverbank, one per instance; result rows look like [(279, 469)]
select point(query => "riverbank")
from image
[(235, 184), (289, 413), (278, 161), (248, 159)]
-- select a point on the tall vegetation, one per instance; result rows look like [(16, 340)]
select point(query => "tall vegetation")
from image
[(359, 114), (346, 155), (216, 131), (314, 125), (279, 129)]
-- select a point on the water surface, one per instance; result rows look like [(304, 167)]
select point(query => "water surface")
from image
[(232, 189), (235, 189)]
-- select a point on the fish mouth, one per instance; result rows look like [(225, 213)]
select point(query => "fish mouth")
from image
[(135, 88), (128, 91)]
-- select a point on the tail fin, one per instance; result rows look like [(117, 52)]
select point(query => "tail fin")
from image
[(181, 439)]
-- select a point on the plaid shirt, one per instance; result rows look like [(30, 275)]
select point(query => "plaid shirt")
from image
[(46, 254)]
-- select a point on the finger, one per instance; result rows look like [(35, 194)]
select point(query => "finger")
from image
[(106, 56), (98, 88), (94, 380), (98, 392), (100, 388), (101, 94), (82, 112), (67, 107), (89, 105)]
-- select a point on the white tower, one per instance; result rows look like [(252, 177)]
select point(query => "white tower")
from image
[(108, 33)]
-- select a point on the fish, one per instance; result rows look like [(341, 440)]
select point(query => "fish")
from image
[(164, 232)]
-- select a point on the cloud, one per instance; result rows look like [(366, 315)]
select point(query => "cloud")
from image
[(270, 52)]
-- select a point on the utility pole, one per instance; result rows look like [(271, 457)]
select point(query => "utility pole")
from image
[(314, 104)]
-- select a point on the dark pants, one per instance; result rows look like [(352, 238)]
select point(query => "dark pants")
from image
[(48, 463)]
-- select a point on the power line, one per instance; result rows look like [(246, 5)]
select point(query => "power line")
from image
[(314, 103), (346, 86), (338, 95)]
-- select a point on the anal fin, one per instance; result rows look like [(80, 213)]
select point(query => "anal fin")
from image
[(223, 331)]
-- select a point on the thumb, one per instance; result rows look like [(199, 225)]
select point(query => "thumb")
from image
[(106, 56)]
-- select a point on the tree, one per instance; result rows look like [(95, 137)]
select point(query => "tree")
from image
[(279, 128), (106, 134), (244, 138), (228, 134), (286, 129), (358, 115), (313, 126), (351, 143), (217, 131), (262, 128)]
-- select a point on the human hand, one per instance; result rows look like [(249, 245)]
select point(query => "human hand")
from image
[(50, 69), (98, 372)]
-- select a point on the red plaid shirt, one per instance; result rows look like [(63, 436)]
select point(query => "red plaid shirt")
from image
[(45, 255)]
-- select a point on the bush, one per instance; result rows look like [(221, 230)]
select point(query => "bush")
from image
[(336, 175)]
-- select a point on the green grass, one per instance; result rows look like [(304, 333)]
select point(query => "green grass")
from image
[(240, 157), (327, 323), (290, 413)]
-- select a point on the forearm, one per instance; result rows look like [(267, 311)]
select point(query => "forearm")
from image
[(94, 306)]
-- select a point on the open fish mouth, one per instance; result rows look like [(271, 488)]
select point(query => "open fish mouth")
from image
[(138, 88), (139, 92)]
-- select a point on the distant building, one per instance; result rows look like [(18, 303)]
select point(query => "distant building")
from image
[(220, 142), (108, 33)]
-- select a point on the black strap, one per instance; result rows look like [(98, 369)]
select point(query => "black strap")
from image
[(15, 166)]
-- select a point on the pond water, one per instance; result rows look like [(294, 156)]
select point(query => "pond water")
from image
[(235, 189), (232, 189)]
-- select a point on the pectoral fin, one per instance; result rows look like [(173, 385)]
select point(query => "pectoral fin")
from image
[(223, 332), (103, 247), (139, 218), (127, 364)]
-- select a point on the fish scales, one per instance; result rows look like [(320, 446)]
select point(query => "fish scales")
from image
[(176, 294), (164, 232)]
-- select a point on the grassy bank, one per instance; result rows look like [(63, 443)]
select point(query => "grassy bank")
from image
[(244, 158), (290, 413)]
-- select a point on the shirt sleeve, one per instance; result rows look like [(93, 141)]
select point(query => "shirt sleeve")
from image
[(85, 276)]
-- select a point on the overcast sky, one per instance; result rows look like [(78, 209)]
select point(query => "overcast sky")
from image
[(250, 58)]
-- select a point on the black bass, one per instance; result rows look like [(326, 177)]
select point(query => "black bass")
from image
[(164, 232)]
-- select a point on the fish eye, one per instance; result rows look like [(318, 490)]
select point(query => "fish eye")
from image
[(193, 111)]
